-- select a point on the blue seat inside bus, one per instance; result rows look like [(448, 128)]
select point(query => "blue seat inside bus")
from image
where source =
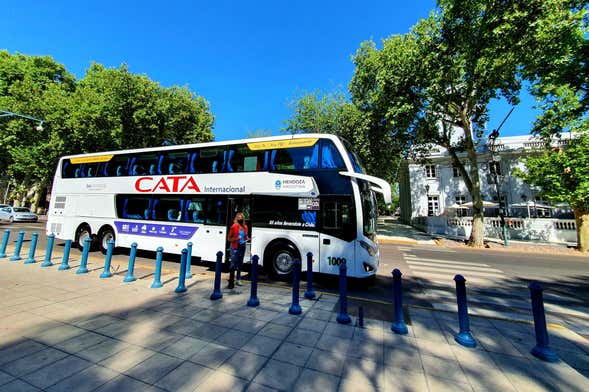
[(126, 215)]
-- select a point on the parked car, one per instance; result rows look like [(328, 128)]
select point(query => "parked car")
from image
[(17, 214)]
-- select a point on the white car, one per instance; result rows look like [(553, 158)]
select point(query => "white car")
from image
[(17, 214)]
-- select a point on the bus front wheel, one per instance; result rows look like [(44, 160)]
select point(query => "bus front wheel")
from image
[(283, 256)]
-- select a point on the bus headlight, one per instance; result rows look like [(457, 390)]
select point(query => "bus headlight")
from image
[(370, 249)]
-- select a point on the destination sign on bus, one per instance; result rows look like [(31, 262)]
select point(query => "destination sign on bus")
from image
[(307, 204)]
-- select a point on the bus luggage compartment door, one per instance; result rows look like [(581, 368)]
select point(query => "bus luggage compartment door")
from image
[(211, 241)]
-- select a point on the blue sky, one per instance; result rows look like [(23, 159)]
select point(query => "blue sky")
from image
[(248, 59)]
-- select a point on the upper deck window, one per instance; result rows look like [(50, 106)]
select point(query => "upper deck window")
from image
[(282, 155)]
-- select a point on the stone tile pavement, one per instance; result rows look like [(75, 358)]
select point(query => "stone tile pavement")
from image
[(65, 332)]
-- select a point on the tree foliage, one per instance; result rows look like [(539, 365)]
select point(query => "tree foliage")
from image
[(316, 112), (563, 175), (109, 108), (434, 84)]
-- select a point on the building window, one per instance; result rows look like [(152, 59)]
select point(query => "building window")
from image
[(430, 171), (495, 168), (433, 206), (456, 171), (461, 200)]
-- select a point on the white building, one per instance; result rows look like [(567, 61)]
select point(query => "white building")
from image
[(433, 195)]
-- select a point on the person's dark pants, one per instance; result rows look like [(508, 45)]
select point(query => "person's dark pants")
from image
[(237, 255)]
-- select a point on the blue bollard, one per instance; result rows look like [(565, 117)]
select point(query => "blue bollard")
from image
[(31, 258), (541, 349), (188, 260), (4, 243), (182, 277), (361, 317), (343, 317), (463, 337), (309, 294), (50, 240), (398, 326), (131, 267), (295, 307), (217, 294), (83, 269), (110, 247), (254, 301), (157, 277), (19, 240), (66, 256)]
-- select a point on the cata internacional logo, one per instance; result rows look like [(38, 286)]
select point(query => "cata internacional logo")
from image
[(278, 184)]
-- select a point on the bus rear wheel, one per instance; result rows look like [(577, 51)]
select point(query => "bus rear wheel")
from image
[(105, 236), (82, 233), (282, 258)]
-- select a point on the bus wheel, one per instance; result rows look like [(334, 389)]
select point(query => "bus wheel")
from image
[(283, 257), (82, 233), (106, 235)]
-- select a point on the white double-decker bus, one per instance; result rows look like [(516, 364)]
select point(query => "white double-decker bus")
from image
[(299, 193)]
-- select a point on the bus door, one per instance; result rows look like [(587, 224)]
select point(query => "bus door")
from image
[(235, 205), (338, 231)]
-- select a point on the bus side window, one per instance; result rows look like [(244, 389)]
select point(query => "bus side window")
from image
[(195, 211), (216, 211), (330, 156)]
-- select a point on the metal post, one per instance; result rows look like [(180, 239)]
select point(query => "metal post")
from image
[(4, 243), (295, 308), (310, 294), (217, 294), (541, 349), (31, 258), (182, 278), (110, 247), (463, 337), (66, 256), (398, 326), (131, 267), (19, 240), (50, 240), (83, 269), (343, 317), (188, 260), (254, 301), (157, 281)]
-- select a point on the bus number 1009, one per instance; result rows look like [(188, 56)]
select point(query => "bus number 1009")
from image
[(336, 260)]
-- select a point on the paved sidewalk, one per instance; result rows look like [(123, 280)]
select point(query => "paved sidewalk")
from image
[(391, 231), (65, 332)]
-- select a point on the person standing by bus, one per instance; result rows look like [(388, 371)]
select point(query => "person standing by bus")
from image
[(237, 237)]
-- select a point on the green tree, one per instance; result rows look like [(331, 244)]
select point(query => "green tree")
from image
[(316, 112), (36, 86), (563, 175), (110, 108), (433, 85)]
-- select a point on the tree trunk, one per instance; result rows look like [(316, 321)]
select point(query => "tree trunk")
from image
[(582, 220)]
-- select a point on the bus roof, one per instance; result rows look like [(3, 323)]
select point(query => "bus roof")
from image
[(260, 140)]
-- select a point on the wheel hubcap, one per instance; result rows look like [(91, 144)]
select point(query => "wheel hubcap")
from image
[(83, 235), (107, 237), (284, 263)]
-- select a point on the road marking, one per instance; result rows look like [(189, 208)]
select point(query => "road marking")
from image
[(424, 249), (455, 271), (409, 258), (452, 265)]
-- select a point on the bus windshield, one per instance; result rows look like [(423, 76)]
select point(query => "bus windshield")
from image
[(369, 210)]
